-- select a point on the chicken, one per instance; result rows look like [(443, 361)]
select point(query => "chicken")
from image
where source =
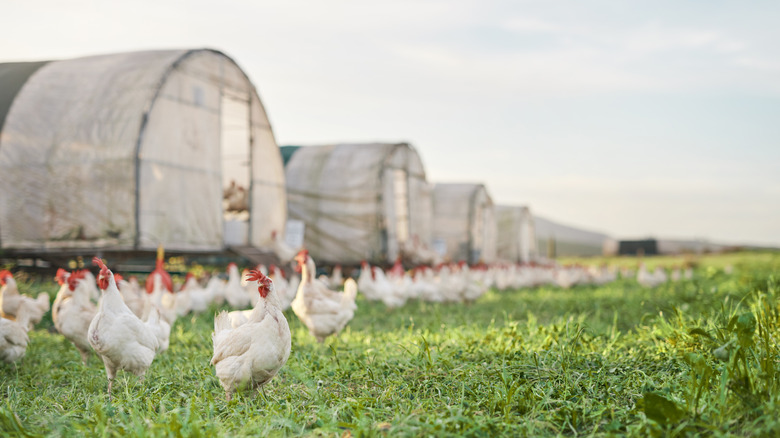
[(391, 294), (367, 282), (239, 317), (235, 294), (323, 311), (285, 289), (165, 277), (61, 278), (132, 294), (13, 334), (401, 281), (163, 299), (91, 285), (200, 298), (183, 300), (425, 285), (120, 338), (477, 283), (451, 284), (251, 354), (11, 299), (153, 318), (336, 278), (417, 253), (73, 312), (650, 279), (238, 200)]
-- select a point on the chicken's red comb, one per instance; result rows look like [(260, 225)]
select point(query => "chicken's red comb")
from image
[(60, 277), (73, 279), (264, 283), (255, 275), (5, 273), (99, 262), (302, 254)]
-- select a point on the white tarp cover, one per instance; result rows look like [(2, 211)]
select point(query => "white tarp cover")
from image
[(122, 151), (559, 240), (464, 220), (516, 236), (358, 201)]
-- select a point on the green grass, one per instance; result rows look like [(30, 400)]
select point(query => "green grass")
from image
[(694, 357)]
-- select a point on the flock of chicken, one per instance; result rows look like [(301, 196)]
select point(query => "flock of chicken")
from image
[(127, 325)]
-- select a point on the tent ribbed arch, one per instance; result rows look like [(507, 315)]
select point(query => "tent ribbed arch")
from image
[(81, 131), (346, 195), (464, 223)]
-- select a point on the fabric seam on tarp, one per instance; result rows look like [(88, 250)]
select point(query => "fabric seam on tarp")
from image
[(139, 141)]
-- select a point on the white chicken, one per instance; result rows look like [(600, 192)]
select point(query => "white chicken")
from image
[(451, 285), (132, 294), (152, 317), (336, 278), (201, 298), (391, 295), (235, 294), (91, 285), (162, 298), (366, 283), (251, 354), (323, 311), (62, 279), (11, 299), (285, 289), (73, 312), (183, 299), (476, 282), (650, 279), (401, 281), (13, 334), (120, 338), (425, 284)]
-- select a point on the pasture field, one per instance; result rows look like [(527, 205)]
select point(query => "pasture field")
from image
[(687, 358)]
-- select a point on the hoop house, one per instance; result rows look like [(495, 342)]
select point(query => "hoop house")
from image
[(134, 150), (516, 235), (358, 201), (559, 240), (464, 222)]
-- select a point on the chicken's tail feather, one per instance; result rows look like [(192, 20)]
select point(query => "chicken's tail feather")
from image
[(43, 302), (152, 315), (222, 322)]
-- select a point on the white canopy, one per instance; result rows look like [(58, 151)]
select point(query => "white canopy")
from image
[(464, 222), (359, 201), (134, 150), (516, 234), (556, 239)]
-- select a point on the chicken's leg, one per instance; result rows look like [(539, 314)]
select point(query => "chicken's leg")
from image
[(84, 356), (111, 373)]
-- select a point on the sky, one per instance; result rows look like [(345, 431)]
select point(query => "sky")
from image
[(634, 118)]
